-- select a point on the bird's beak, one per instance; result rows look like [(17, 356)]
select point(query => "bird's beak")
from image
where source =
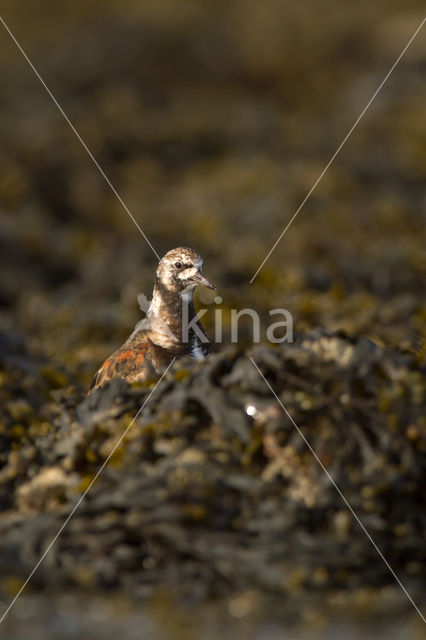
[(200, 278)]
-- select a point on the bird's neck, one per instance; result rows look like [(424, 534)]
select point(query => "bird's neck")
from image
[(166, 311)]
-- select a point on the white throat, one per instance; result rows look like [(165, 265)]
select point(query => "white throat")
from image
[(187, 294), (155, 304)]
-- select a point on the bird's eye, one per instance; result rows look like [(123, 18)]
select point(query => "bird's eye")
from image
[(178, 265)]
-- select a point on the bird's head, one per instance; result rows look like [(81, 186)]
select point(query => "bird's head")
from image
[(179, 271)]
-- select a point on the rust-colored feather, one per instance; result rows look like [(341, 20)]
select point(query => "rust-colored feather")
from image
[(130, 362)]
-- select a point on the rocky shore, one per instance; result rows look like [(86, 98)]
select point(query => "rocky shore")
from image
[(213, 489)]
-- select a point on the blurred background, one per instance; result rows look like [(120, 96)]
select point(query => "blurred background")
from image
[(212, 120)]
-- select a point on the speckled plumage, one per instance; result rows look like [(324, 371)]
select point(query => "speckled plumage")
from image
[(160, 337)]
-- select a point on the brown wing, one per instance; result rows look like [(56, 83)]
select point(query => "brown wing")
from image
[(130, 362)]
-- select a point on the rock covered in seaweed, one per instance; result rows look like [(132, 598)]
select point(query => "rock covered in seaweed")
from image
[(213, 488)]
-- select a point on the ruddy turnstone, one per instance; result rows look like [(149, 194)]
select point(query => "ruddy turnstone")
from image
[(171, 328)]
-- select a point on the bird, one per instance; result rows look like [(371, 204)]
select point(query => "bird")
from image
[(171, 328)]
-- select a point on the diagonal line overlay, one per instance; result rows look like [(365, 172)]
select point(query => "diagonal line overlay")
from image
[(3, 617), (84, 145), (80, 500), (338, 491), (339, 148)]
